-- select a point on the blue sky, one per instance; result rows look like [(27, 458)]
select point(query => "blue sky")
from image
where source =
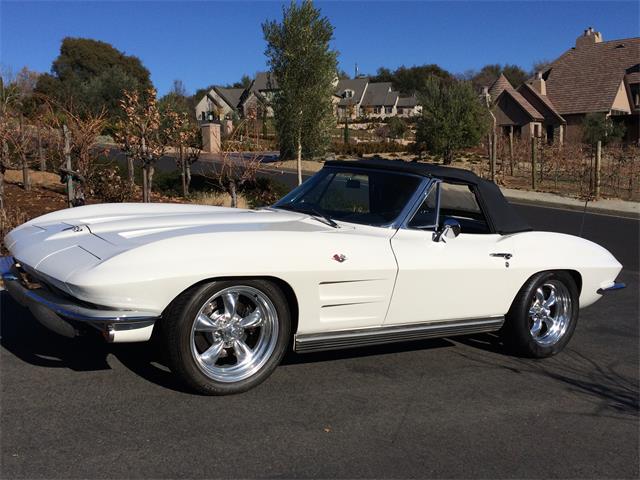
[(211, 42)]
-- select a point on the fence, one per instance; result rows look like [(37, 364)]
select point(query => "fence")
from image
[(572, 169)]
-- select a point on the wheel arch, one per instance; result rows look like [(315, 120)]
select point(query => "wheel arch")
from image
[(285, 288), (575, 275)]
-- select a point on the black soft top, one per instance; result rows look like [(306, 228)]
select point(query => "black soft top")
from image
[(500, 214)]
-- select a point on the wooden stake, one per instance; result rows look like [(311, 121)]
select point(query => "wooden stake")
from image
[(67, 157), (597, 170), (533, 163)]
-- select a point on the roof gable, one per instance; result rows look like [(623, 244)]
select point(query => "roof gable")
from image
[(499, 86), (587, 78), (231, 96), (378, 95), (540, 102), (356, 85)]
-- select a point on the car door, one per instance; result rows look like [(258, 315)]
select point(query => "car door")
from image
[(464, 277)]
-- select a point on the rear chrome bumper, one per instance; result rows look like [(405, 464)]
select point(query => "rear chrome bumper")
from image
[(67, 317), (614, 286)]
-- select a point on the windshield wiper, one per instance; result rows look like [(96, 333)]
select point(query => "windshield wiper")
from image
[(313, 211)]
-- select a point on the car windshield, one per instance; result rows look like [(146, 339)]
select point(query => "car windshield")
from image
[(372, 197)]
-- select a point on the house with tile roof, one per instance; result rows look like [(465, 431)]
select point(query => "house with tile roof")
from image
[(594, 76)]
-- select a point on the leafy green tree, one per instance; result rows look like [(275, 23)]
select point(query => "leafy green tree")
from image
[(410, 80), (304, 67), (91, 75), (397, 127), (598, 127), (489, 73), (452, 118), (245, 82)]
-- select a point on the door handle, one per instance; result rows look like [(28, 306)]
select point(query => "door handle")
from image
[(506, 256)]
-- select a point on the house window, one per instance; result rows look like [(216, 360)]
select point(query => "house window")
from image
[(388, 109), (348, 93), (550, 132), (377, 110), (400, 111), (635, 94)]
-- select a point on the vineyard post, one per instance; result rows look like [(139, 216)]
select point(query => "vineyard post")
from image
[(598, 165), (494, 148), (533, 163), (43, 163), (67, 157)]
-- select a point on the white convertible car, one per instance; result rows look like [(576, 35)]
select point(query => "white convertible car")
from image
[(364, 252)]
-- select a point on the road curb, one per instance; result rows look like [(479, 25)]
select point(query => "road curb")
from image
[(631, 211)]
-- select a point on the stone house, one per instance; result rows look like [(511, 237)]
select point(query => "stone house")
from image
[(594, 76)]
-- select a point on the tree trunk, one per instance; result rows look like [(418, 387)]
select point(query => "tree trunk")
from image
[(146, 187), (183, 172), (447, 158), (234, 194), (188, 170), (131, 170), (145, 190), (299, 158), (150, 171)]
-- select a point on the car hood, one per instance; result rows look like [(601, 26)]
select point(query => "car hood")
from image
[(91, 234)]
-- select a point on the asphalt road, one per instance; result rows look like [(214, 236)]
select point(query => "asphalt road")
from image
[(443, 408)]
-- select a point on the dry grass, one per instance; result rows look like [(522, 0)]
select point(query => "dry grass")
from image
[(218, 199), (45, 179)]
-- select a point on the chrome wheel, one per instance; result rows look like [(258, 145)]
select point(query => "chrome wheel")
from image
[(234, 334), (550, 313)]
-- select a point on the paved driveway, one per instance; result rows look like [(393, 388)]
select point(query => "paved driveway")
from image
[(441, 408)]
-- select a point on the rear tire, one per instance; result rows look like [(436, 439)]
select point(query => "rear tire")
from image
[(543, 315), (226, 337)]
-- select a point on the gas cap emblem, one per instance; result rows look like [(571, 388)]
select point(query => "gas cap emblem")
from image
[(339, 257)]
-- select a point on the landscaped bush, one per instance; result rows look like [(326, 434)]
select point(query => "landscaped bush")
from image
[(106, 183)]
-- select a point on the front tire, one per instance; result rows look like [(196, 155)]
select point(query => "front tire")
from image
[(543, 315), (226, 337)]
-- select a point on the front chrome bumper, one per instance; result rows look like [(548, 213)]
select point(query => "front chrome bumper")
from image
[(65, 316), (614, 286)]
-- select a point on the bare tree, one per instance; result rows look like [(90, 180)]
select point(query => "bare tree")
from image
[(236, 169), (185, 137), (139, 134), (82, 130)]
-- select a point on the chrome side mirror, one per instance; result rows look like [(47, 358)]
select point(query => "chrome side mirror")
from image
[(450, 229)]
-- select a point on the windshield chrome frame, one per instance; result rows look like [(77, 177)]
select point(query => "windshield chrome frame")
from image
[(434, 183), (406, 213)]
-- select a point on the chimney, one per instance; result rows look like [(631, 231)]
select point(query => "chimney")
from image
[(539, 84), (588, 37)]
